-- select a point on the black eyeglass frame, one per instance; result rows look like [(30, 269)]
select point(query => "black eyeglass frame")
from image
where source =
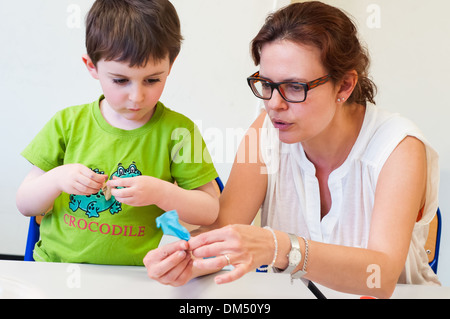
[(273, 85)]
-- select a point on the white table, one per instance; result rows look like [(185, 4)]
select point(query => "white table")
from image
[(401, 292), (19, 279)]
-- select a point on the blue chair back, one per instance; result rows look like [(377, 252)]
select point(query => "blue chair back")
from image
[(434, 262), (220, 184), (32, 239)]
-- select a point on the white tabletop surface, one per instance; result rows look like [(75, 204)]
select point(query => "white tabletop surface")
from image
[(401, 292), (19, 279)]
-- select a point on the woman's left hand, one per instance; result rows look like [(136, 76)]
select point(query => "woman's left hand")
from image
[(242, 246), (170, 264)]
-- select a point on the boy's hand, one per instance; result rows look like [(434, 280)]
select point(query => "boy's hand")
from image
[(78, 179), (135, 191)]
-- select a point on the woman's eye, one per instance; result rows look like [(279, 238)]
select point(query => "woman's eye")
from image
[(265, 85), (294, 87)]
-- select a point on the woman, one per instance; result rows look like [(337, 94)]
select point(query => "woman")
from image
[(347, 189)]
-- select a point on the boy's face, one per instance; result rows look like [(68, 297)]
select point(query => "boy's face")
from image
[(131, 94)]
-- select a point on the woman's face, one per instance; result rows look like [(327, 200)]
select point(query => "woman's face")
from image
[(298, 122)]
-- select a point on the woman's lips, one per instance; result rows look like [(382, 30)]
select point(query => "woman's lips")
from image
[(281, 125)]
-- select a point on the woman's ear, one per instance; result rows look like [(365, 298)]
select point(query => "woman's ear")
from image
[(92, 69), (347, 85)]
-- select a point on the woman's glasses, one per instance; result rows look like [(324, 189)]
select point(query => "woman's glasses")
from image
[(292, 92)]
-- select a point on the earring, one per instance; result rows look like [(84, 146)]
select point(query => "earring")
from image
[(341, 100)]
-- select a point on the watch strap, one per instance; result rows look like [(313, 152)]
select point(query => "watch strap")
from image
[(302, 272), (295, 245)]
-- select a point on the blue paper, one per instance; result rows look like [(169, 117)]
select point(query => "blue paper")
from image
[(170, 225)]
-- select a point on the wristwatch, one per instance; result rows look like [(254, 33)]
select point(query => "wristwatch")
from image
[(294, 257)]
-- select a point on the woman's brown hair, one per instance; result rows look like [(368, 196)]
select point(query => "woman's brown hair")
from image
[(133, 31), (330, 30)]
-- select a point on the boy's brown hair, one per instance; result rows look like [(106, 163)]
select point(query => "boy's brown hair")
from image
[(133, 31)]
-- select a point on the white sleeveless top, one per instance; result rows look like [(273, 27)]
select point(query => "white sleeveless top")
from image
[(292, 202)]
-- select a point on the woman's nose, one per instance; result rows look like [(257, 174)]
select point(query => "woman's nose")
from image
[(276, 102)]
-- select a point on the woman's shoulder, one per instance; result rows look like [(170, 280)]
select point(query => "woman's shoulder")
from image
[(384, 131), (385, 120)]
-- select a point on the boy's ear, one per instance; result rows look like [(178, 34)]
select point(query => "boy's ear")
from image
[(90, 66), (171, 65)]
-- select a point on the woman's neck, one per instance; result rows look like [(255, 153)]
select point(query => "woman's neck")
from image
[(330, 149)]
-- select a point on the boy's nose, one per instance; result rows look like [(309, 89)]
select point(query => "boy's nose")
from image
[(137, 94)]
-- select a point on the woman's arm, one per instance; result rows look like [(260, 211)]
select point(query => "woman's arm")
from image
[(399, 196), (246, 186), (373, 271), (239, 204)]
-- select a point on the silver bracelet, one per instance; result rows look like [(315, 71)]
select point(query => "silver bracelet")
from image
[(265, 268), (305, 259)]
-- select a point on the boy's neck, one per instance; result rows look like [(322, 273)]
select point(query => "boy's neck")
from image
[(116, 120)]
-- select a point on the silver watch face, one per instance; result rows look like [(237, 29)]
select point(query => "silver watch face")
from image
[(295, 256)]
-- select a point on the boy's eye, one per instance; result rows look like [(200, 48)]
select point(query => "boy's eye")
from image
[(152, 81), (120, 81), (125, 81)]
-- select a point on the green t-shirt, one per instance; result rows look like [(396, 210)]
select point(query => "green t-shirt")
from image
[(89, 229)]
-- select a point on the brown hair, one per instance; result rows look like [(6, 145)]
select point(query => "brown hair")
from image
[(133, 31), (330, 30)]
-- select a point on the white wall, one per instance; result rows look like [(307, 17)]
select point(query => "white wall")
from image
[(41, 72)]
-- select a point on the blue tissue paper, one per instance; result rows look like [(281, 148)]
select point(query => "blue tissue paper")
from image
[(170, 225)]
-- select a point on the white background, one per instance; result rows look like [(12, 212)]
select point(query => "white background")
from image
[(41, 72)]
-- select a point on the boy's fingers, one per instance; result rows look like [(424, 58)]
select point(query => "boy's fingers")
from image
[(119, 182)]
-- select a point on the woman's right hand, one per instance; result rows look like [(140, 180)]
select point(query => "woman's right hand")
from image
[(171, 264)]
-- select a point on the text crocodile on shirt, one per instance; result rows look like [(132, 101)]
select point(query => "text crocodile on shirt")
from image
[(105, 229)]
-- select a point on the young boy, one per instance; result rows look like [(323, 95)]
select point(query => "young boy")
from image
[(126, 139)]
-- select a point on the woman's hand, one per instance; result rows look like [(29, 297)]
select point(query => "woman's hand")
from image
[(246, 247), (170, 264)]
